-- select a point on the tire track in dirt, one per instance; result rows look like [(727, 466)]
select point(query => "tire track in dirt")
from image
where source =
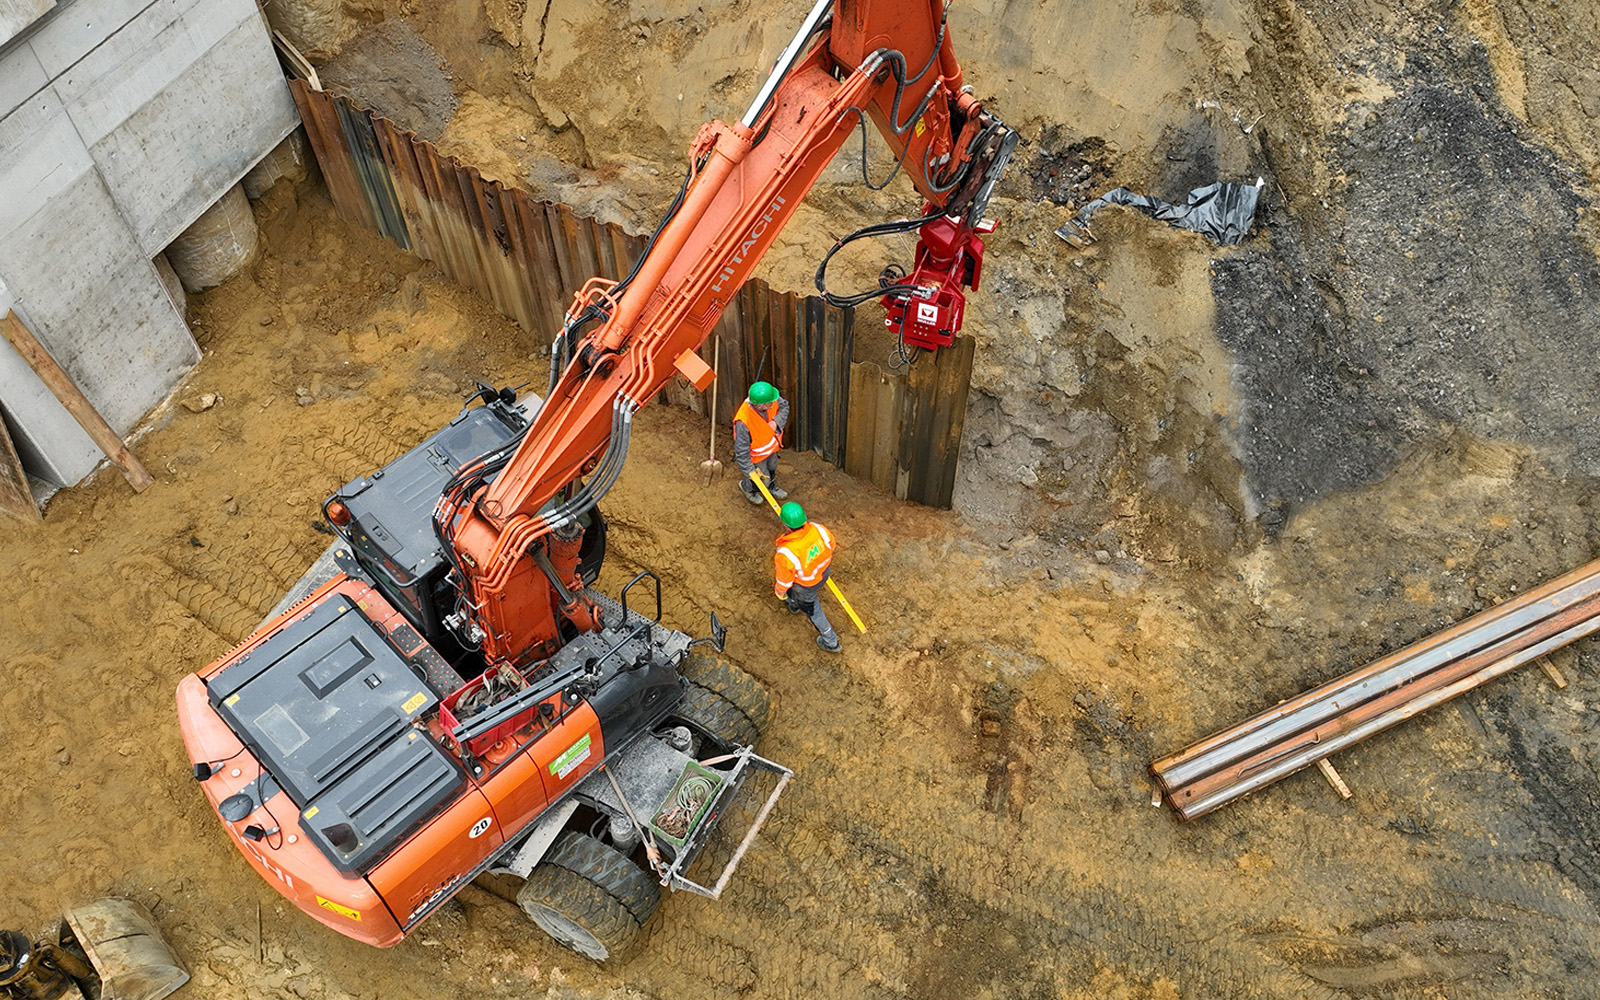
[(230, 587), (214, 608), (335, 459)]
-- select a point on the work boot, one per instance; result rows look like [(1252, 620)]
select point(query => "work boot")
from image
[(827, 647), (751, 493), (778, 492)]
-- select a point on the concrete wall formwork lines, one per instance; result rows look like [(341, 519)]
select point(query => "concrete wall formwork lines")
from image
[(121, 121), (18, 14), (42, 156), (124, 343), (170, 96), (24, 76), (80, 28), (196, 135)]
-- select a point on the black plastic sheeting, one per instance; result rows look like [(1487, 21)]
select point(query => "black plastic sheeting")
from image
[(1224, 211)]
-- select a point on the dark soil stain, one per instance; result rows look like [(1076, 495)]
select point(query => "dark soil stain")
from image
[(1454, 291)]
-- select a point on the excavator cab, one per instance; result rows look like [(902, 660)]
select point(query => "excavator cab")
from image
[(369, 760), (386, 518)]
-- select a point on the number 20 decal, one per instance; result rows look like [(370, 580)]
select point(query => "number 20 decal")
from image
[(479, 828)]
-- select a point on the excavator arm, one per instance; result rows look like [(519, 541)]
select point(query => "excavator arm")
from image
[(512, 522)]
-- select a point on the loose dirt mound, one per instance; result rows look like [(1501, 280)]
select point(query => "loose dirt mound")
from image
[(393, 67)]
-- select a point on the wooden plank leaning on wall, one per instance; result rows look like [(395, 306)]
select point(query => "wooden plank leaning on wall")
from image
[(59, 382)]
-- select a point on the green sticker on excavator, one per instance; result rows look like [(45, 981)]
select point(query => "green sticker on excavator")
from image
[(570, 758)]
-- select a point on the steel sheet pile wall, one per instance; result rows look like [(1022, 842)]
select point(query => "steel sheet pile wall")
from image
[(902, 431), (1364, 702)]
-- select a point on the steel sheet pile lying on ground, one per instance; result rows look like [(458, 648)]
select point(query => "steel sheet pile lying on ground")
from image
[(1299, 732)]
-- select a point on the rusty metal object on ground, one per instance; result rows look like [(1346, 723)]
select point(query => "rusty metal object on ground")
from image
[(38, 970), (122, 942), (1305, 729)]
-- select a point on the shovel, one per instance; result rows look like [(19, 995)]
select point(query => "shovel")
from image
[(711, 467)]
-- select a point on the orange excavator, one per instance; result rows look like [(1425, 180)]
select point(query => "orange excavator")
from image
[(446, 695)]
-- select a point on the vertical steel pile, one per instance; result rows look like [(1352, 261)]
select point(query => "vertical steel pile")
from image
[(1299, 732), (900, 430)]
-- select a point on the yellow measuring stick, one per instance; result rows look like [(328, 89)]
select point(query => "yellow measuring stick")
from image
[(772, 501)]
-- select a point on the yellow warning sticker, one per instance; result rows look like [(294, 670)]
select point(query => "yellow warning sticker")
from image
[(921, 127), (310, 812), (343, 911), (413, 703), (232, 701)]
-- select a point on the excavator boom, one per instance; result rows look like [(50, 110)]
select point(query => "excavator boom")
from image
[(442, 692), (850, 60)]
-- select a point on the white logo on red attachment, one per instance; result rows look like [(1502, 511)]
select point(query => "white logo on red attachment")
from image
[(927, 313)]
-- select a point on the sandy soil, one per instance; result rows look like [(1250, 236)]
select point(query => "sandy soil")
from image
[(970, 817), (1194, 482)]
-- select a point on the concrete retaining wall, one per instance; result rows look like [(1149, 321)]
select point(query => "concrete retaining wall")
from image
[(16, 15), (121, 121)]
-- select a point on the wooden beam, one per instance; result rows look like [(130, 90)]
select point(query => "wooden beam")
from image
[(1326, 767), (1552, 671), (15, 496), (77, 404), (300, 63)]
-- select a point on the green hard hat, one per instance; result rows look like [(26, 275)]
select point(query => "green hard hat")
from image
[(763, 393), (792, 515)]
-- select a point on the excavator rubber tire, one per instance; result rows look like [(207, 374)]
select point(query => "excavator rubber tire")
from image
[(723, 700), (590, 897)]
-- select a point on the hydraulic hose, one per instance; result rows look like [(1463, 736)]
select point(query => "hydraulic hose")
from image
[(605, 474)]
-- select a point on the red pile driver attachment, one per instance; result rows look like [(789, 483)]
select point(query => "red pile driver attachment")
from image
[(949, 259)]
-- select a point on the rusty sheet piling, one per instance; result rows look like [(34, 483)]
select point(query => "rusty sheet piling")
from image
[(901, 430), (1303, 730)]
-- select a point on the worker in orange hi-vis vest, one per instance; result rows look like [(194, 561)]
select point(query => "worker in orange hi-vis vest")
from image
[(801, 564), (757, 436)]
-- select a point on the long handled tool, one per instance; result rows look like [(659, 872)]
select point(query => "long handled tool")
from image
[(711, 466), (772, 501)]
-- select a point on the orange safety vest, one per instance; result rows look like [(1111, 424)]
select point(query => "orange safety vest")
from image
[(803, 556), (763, 439)]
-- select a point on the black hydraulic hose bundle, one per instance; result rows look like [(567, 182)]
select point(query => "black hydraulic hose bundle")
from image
[(897, 65), (884, 288), (561, 348)]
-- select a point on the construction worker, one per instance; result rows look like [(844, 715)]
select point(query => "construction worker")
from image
[(757, 436), (801, 564)]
